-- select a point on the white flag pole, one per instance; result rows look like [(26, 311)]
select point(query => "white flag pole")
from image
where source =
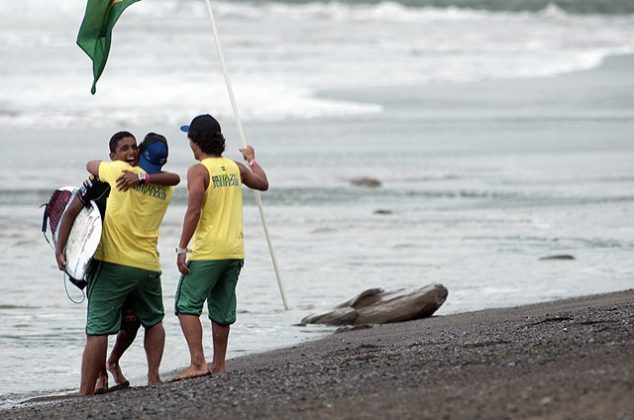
[(234, 105)]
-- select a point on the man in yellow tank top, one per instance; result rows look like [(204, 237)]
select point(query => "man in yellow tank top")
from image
[(214, 220)]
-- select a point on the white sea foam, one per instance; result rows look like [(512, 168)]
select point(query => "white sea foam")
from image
[(280, 56)]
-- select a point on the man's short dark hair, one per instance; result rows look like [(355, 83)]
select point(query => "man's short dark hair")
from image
[(211, 143), (114, 140)]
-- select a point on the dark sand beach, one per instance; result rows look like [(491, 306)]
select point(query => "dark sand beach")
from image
[(568, 359)]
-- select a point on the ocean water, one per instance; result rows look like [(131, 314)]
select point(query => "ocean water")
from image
[(500, 133)]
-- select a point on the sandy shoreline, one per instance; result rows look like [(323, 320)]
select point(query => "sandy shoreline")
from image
[(565, 359)]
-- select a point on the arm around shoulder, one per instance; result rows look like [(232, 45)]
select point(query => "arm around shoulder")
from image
[(93, 167), (164, 178)]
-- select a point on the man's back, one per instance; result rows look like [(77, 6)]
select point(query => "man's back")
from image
[(219, 232), (132, 222)]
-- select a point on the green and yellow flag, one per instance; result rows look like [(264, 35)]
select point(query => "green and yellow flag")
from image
[(95, 32)]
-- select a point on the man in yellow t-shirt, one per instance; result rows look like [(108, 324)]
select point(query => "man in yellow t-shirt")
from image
[(130, 270), (214, 219), (122, 147)]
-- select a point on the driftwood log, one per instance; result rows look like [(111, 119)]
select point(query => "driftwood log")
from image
[(557, 257), (376, 306), (366, 182)]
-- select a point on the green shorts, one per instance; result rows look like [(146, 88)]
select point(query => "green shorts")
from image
[(214, 281), (129, 320), (115, 285)]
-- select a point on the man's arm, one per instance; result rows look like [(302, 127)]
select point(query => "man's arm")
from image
[(66, 223), (197, 182), (93, 167), (129, 179), (256, 177)]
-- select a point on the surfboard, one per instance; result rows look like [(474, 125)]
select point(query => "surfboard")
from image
[(83, 240), (84, 236)]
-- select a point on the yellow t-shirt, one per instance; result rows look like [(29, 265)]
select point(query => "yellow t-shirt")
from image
[(133, 217), (218, 235)]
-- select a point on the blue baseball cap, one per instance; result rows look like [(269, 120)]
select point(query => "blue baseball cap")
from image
[(153, 153), (202, 125)]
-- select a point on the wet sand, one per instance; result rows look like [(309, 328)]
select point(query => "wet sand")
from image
[(570, 359)]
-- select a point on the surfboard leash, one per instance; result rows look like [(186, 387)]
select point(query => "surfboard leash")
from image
[(83, 294)]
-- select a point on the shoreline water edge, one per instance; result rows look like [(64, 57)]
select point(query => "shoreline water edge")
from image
[(571, 358)]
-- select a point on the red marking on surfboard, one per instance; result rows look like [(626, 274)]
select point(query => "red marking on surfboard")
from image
[(55, 207)]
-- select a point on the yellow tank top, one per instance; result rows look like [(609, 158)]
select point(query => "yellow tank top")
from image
[(218, 235)]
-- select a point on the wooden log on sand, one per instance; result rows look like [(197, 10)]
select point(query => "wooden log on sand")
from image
[(376, 306)]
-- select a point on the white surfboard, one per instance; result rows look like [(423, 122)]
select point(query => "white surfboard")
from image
[(83, 240)]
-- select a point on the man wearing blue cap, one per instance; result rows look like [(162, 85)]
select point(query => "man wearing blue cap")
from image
[(130, 268), (214, 220)]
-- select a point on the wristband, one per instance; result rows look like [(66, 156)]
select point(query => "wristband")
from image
[(180, 250), (252, 162), (147, 178)]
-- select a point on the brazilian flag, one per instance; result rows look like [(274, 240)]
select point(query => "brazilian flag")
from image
[(95, 32)]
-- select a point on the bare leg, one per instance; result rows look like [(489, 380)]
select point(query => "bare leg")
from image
[(154, 343), (220, 335), (92, 362), (124, 339), (193, 332)]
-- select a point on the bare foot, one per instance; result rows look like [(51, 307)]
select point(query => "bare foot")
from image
[(219, 370), (101, 386), (116, 372), (193, 372), (154, 381)]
